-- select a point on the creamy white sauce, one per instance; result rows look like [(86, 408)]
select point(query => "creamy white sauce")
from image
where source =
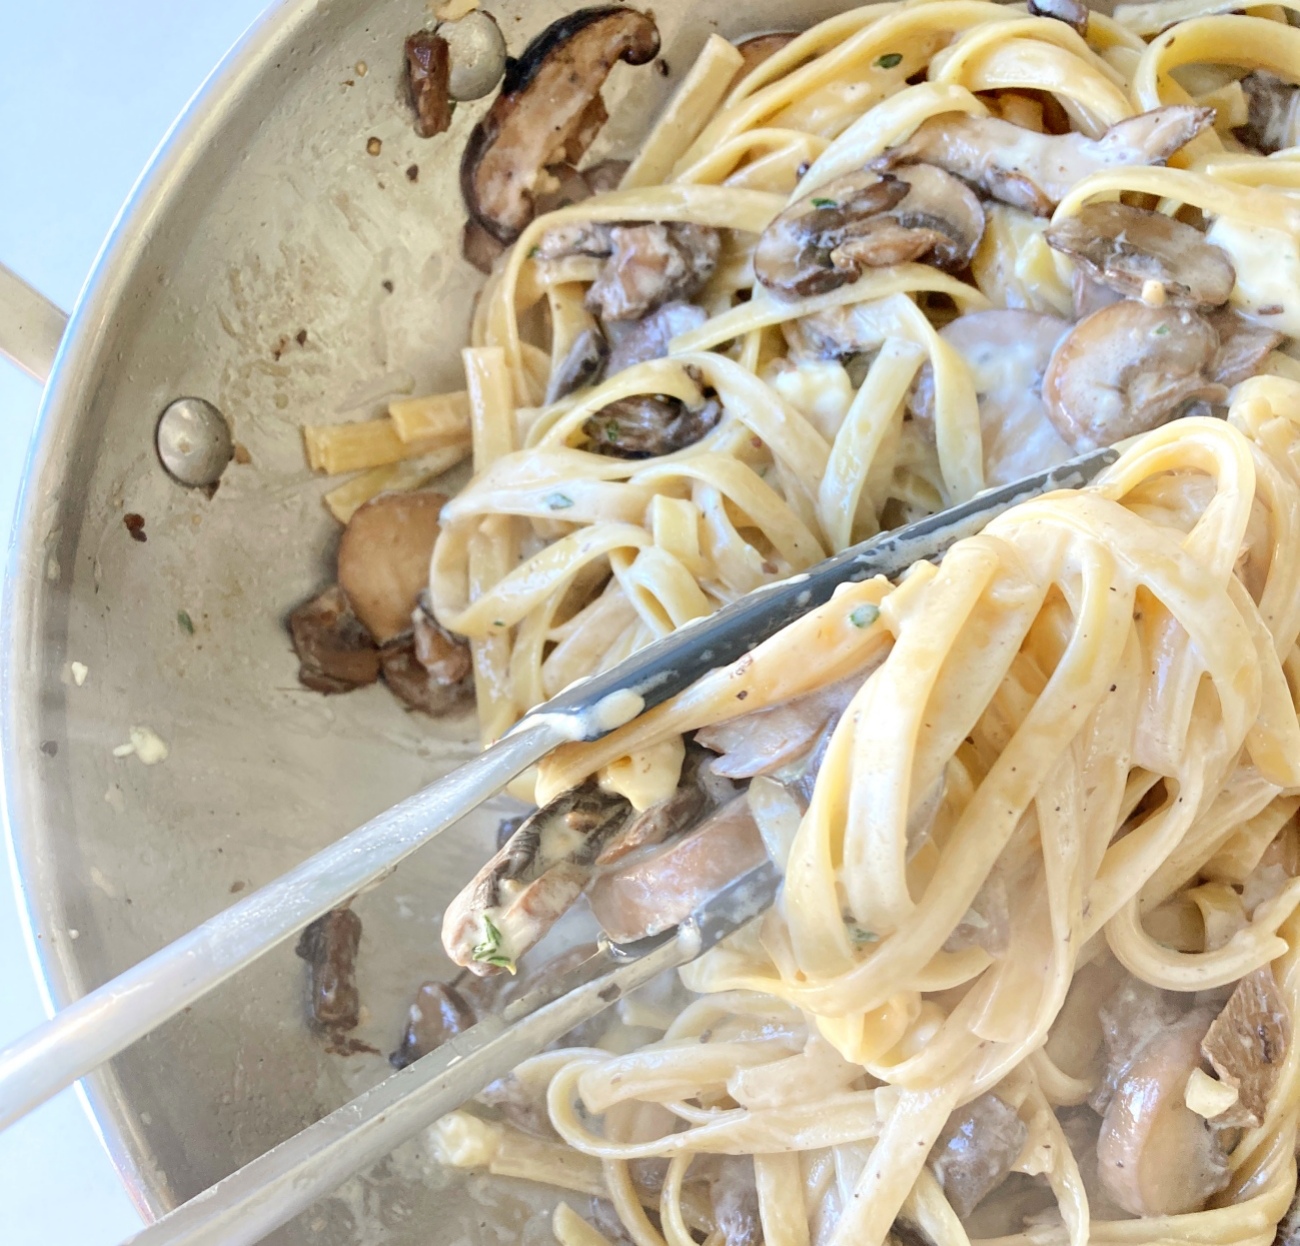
[(821, 392), (1268, 272)]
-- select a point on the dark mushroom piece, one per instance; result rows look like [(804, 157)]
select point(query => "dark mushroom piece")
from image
[(438, 1013), (650, 265), (646, 426), (638, 341), (581, 367), (756, 50), (1272, 112), (1073, 13), (417, 687), (335, 652), (445, 656), (734, 1195), (428, 79), (384, 559), (1129, 368), (975, 1151), (1036, 171), (1244, 347), (479, 248), (1247, 1043), (545, 104), (1125, 248), (329, 946)]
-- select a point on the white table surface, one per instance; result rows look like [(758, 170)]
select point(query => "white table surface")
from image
[(87, 90)]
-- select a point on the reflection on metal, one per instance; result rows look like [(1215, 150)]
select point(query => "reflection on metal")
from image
[(194, 442)]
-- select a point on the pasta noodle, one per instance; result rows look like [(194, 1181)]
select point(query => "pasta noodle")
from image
[(1067, 764)]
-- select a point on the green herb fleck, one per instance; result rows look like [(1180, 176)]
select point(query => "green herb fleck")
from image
[(491, 951), (559, 501), (1161, 330), (534, 252), (187, 624), (498, 622), (861, 936), (889, 60), (825, 203), (612, 431), (864, 615)]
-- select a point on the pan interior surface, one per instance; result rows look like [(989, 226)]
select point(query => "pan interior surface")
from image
[(281, 262)]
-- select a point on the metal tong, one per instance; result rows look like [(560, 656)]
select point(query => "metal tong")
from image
[(110, 1018)]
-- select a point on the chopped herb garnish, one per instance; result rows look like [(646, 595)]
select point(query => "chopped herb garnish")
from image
[(861, 936), (559, 501), (825, 203), (491, 950), (534, 252), (612, 432), (498, 622), (864, 615), (889, 60), (1161, 330), (187, 624)]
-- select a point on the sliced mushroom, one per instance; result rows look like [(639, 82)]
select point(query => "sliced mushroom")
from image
[(1073, 13), (734, 1195), (1007, 353), (1036, 171), (1134, 1013), (1127, 248), (939, 219), (384, 559), (976, 1150), (544, 103), (479, 248), (428, 79), (1244, 347), (329, 946), (594, 238), (1127, 369), (438, 1013), (524, 889), (1155, 1156), (649, 425), (335, 652), (1088, 295), (1248, 1042), (859, 221), (647, 893), (417, 687), (758, 49), (581, 367), (767, 740), (1272, 112), (638, 341), (446, 657), (650, 265), (838, 333)]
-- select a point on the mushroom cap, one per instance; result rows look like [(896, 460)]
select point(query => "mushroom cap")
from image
[(1126, 369), (1125, 247), (544, 102), (384, 559)]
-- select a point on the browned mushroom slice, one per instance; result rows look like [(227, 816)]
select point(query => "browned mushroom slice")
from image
[(384, 559), (649, 425), (637, 341), (593, 238), (446, 657), (1088, 295), (939, 220), (1272, 112), (416, 686), (1126, 248), (479, 247), (428, 78), (793, 256), (335, 652), (329, 946), (544, 105), (648, 893), (1127, 369), (1036, 171), (1133, 1014), (650, 265), (532, 881), (976, 1150), (759, 49), (438, 1013), (1244, 347), (1155, 1156), (1072, 12), (734, 1195), (581, 367), (1248, 1042)]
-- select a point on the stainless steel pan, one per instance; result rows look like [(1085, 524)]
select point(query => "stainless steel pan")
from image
[(264, 214)]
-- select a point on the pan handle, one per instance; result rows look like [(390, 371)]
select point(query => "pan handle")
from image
[(31, 327)]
